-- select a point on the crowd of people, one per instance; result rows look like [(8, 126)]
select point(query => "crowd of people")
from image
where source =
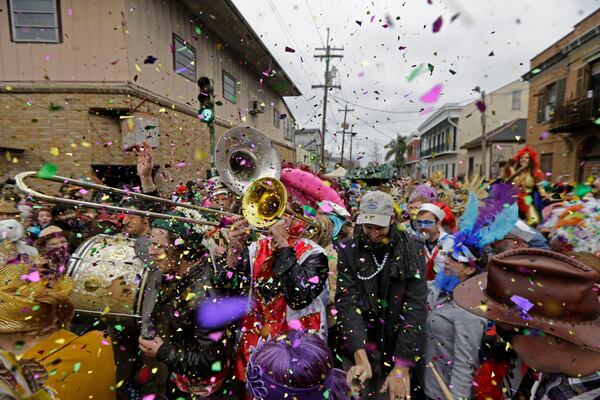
[(433, 289)]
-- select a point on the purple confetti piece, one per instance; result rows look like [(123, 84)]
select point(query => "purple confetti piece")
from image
[(289, 50), (150, 60), (437, 24), (218, 312), (544, 135), (522, 303), (359, 23), (481, 106)]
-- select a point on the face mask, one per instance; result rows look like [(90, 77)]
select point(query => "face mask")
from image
[(446, 283)]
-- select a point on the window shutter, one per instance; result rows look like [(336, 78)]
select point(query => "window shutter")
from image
[(560, 92), (540, 108)]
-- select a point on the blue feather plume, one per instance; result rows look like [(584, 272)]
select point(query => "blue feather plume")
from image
[(499, 227), (467, 221)]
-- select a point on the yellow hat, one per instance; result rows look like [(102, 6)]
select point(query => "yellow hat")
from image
[(29, 304)]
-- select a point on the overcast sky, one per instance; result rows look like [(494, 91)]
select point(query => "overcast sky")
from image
[(377, 59)]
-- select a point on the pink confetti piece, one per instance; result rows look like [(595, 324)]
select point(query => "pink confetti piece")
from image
[(432, 95), (372, 18), (437, 24), (314, 279), (31, 277), (70, 12), (180, 165), (149, 397), (295, 324), (104, 342), (83, 191), (47, 57), (325, 207), (215, 336)]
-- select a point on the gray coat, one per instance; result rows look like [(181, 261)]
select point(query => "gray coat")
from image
[(453, 338)]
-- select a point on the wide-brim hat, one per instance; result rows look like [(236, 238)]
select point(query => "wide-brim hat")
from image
[(50, 232), (6, 207), (539, 289)]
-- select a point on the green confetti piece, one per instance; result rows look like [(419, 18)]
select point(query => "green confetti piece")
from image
[(326, 394), (53, 372), (582, 190), (415, 72), (198, 30), (216, 366), (119, 328), (48, 170), (528, 200), (597, 121), (536, 71), (54, 107), (35, 308), (338, 357), (76, 366), (431, 68)]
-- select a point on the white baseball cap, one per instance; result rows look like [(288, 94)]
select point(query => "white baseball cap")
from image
[(376, 208)]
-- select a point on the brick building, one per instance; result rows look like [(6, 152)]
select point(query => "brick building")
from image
[(79, 78), (564, 103)]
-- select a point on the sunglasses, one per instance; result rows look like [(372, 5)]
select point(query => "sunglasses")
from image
[(507, 334), (425, 223)]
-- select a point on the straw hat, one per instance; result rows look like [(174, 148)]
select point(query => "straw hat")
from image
[(6, 207), (50, 232), (27, 304)]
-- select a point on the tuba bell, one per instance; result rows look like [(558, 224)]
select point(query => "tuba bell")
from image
[(244, 155)]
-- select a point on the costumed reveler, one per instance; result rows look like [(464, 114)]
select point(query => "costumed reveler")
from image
[(524, 171), (284, 274)]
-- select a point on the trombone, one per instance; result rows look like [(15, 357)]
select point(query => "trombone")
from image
[(247, 163)]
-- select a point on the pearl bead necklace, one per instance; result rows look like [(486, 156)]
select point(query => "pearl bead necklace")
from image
[(378, 270)]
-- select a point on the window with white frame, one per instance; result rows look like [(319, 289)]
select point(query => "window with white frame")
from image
[(229, 92), (34, 21), (184, 58), (516, 100)]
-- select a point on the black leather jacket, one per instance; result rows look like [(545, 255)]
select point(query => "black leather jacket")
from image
[(290, 277), (188, 350)]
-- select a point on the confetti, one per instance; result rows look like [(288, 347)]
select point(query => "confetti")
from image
[(432, 95), (31, 277), (415, 72), (289, 50), (150, 60), (217, 312), (480, 106), (544, 135), (295, 324), (54, 151), (48, 170), (437, 24)]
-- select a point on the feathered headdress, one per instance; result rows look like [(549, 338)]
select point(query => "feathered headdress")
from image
[(483, 224)]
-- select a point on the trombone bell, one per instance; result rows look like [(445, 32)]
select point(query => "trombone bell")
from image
[(264, 202)]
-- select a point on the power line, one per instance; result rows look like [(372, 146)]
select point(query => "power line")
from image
[(314, 22)]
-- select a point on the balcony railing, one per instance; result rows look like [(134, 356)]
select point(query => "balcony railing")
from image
[(575, 114), (441, 148)]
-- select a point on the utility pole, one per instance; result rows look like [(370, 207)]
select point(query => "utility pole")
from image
[(345, 110), (484, 173), (327, 56), (352, 134)]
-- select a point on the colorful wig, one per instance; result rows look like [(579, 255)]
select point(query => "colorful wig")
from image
[(295, 365), (534, 161), (423, 192)]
